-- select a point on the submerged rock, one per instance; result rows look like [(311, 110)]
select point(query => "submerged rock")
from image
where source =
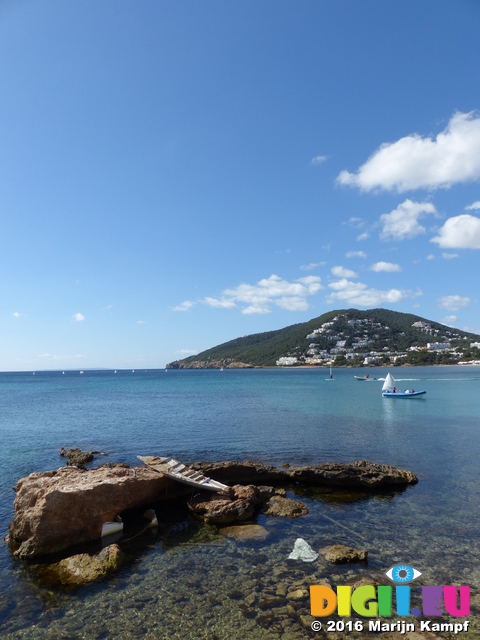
[(245, 532), (83, 568), (340, 554), (303, 551), (57, 509), (284, 507), (76, 457)]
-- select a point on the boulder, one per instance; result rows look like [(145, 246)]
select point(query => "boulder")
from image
[(340, 554), (360, 474), (57, 509), (83, 568), (76, 457), (284, 507), (240, 506)]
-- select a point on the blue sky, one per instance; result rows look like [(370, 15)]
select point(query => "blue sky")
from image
[(177, 174)]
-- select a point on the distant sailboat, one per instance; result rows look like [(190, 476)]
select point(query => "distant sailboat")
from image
[(115, 371), (331, 374), (81, 372)]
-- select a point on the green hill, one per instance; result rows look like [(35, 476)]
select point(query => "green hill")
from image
[(347, 337)]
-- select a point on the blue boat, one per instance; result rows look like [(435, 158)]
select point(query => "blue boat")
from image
[(389, 390)]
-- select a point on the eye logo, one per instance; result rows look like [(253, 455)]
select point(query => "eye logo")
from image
[(402, 573)]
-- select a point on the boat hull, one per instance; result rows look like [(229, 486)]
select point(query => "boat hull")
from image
[(397, 394)]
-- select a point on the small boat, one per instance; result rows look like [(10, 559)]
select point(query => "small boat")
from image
[(331, 374), (112, 527), (81, 372), (367, 377), (389, 390), (182, 473)]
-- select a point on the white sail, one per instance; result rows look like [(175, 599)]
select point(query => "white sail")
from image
[(389, 383)]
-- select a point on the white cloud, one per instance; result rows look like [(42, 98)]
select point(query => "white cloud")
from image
[(414, 162), (220, 304), (19, 315), (355, 254), (184, 306), (449, 256), (459, 232), (389, 267), (357, 223), (78, 317), (430, 256), (312, 265), (272, 291), (453, 303), (318, 160), (186, 352), (341, 272), (449, 320), (141, 322), (402, 222), (363, 236), (359, 294), (475, 205)]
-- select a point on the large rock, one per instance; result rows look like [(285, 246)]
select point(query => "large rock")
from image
[(83, 568), (341, 554), (57, 509), (239, 507), (360, 474)]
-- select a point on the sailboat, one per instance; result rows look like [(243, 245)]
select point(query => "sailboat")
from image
[(331, 374), (389, 390)]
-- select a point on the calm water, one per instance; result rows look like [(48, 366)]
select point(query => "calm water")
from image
[(187, 579)]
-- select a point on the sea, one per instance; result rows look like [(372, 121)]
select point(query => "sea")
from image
[(187, 580)]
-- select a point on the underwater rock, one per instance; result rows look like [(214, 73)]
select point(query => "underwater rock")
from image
[(245, 532), (83, 568), (360, 474), (303, 551), (57, 509), (340, 554), (284, 507)]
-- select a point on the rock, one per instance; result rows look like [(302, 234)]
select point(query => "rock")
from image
[(247, 472), (57, 509), (245, 532), (76, 457), (284, 507), (151, 516), (83, 568), (340, 554), (297, 594), (222, 511), (303, 551), (360, 474)]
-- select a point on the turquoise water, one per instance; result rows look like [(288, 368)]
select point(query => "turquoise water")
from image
[(276, 416)]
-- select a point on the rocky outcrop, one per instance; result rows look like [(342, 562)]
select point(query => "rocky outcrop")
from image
[(57, 509), (340, 554), (246, 472), (239, 507), (77, 457), (360, 474)]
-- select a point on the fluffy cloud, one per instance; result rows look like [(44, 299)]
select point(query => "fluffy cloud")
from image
[(359, 294), (475, 205), (318, 160), (355, 254), (389, 267), (78, 317), (449, 256), (453, 303), (403, 222), (260, 298), (341, 272), (459, 232), (18, 315), (414, 162), (449, 320), (186, 352), (363, 236)]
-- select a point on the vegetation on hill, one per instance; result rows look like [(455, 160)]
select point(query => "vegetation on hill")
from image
[(359, 332)]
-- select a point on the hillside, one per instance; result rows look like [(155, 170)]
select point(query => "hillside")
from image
[(344, 337)]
